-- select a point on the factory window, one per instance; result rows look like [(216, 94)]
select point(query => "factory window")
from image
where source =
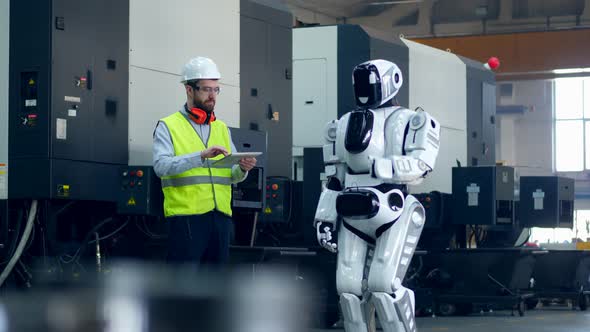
[(572, 124), (564, 236)]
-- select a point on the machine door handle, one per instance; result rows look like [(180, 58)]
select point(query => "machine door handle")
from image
[(89, 79)]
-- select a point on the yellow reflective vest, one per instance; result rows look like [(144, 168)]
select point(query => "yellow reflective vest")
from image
[(202, 189)]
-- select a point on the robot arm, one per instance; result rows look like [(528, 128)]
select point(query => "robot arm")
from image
[(326, 216), (326, 210), (421, 145), (335, 171)]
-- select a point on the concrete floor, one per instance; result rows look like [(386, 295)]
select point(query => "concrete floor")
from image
[(540, 320)]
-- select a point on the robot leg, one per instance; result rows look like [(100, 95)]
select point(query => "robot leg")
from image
[(395, 248), (359, 315), (396, 313), (393, 255), (352, 252)]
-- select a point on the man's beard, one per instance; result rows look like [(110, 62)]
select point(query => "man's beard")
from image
[(207, 108)]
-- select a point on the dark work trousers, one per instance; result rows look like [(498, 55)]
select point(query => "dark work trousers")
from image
[(199, 239)]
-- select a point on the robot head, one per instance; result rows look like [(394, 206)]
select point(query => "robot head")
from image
[(375, 82)]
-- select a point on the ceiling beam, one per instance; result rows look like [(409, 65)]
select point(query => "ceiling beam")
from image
[(522, 52), (310, 15), (309, 11), (386, 20)]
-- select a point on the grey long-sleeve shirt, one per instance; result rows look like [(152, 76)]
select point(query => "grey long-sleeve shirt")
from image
[(167, 163)]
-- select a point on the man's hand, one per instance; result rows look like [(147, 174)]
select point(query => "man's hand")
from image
[(247, 164), (213, 152), (324, 235)]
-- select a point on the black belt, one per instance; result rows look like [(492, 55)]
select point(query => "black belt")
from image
[(366, 237)]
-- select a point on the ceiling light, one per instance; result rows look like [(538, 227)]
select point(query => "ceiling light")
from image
[(571, 71)]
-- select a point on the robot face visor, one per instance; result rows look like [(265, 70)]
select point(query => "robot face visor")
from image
[(367, 86), (357, 203)]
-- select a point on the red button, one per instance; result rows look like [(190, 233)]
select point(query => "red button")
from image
[(132, 173), (267, 187), (139, 173), (275, 186), (267, 196), (274, 195), (131, 183)]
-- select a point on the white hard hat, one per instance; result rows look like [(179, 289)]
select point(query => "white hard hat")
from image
[(200, 68)]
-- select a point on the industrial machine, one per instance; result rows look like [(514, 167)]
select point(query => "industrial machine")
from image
[(493, 221), (546, 201), (266, 80), (68, 104), (65, 123), (483, 196)]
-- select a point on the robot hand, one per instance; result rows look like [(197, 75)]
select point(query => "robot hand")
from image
[(324, 234)]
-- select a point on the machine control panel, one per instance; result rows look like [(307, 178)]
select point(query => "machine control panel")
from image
[(29, 111), (140, 191), (278, 199)]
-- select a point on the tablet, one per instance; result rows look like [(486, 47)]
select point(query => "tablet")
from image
[(234, 158)]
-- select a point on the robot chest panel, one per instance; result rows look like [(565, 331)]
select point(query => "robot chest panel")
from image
[(360, 137)]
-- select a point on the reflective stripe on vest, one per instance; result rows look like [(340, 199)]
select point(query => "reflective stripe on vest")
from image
[(202, 189), (197, 179)]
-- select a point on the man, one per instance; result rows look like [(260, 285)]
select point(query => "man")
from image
[(197, 195)]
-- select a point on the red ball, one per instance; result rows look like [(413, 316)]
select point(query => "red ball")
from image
[(493, 62)]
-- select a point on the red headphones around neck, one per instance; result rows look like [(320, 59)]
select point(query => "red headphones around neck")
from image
[(200, 116)]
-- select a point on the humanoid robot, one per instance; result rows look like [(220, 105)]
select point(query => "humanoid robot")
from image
[(371, 155)]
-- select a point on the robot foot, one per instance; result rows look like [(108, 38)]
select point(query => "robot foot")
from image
[(359, 316), (395, 314)]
